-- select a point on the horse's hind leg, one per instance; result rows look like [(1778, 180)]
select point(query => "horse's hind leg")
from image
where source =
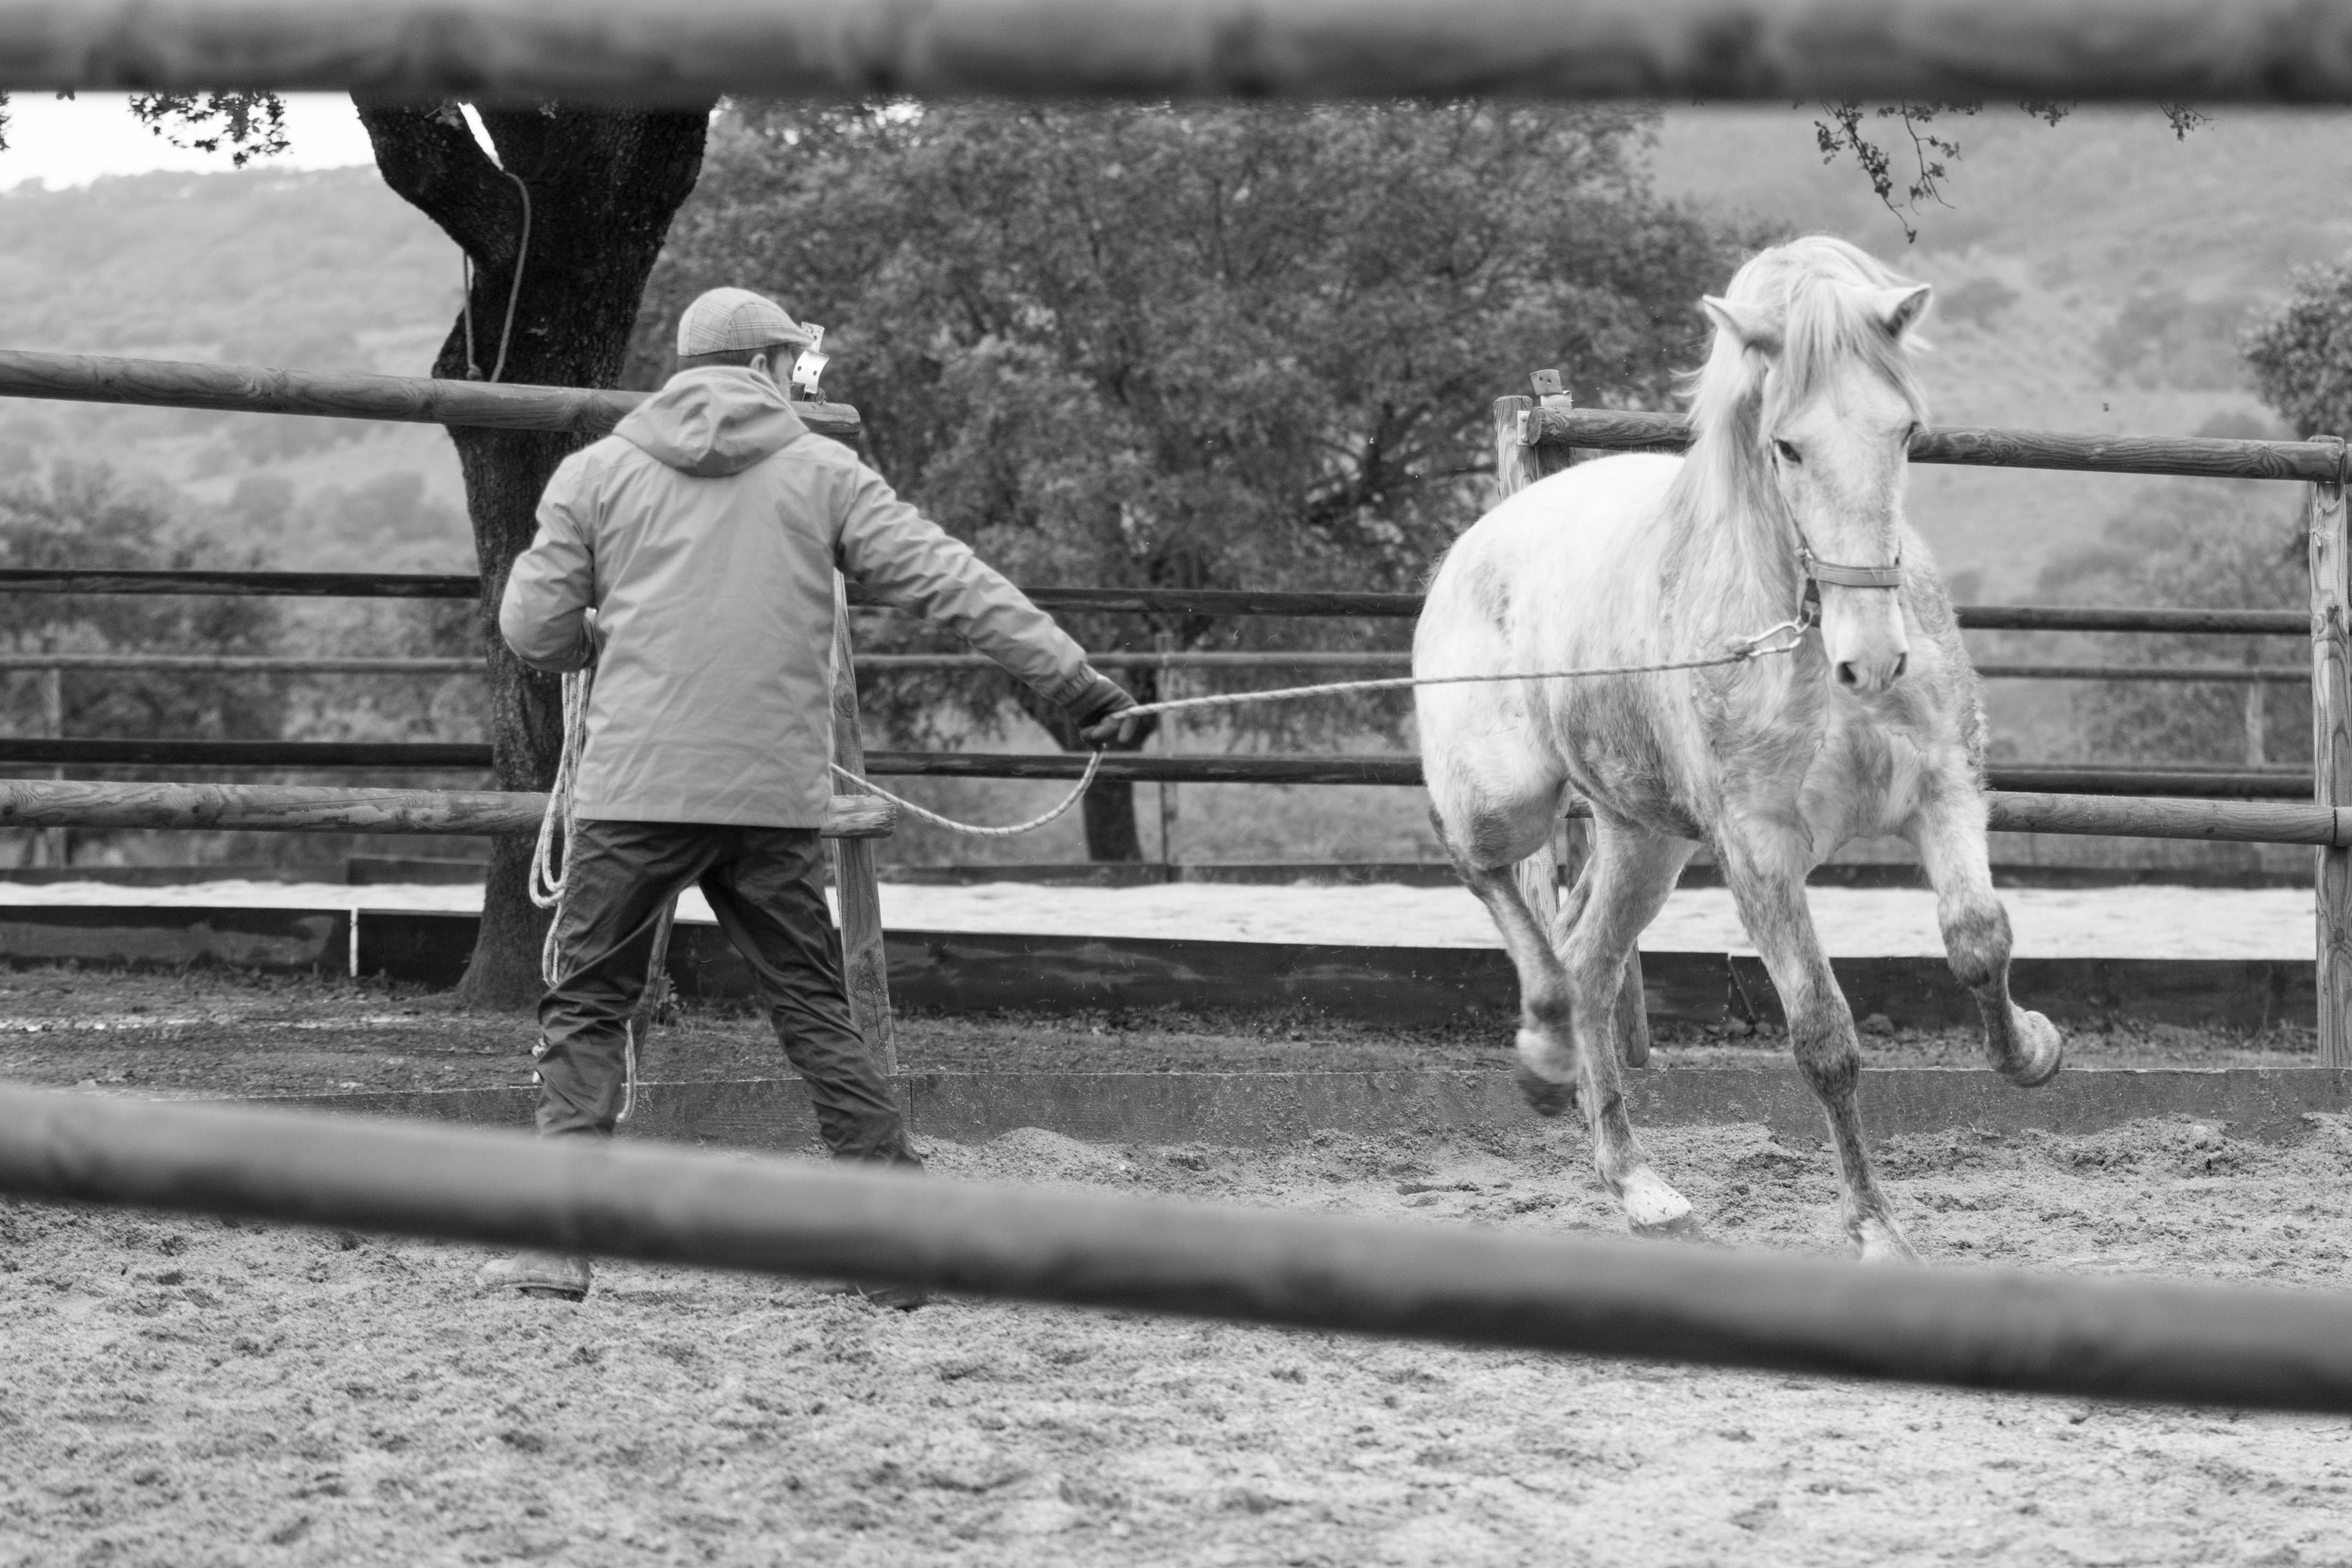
[(1625, 884), (1764, 864), (1949, 832), (1633, 1018), (1560, 1063)]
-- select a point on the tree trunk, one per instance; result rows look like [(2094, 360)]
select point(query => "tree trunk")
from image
[(602, 186)]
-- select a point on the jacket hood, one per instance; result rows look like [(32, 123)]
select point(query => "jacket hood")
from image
[(712, 421)]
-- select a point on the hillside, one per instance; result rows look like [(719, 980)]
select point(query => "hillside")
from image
[(2093, 276), (320, 270)]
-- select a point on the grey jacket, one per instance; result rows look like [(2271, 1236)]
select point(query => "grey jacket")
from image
[(704, 531)]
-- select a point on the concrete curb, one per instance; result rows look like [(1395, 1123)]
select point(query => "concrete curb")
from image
[(1261, 1111), (980, 971), (961, 972)]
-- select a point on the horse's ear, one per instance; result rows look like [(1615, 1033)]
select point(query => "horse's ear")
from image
[(1742, 323), (1899, 309)]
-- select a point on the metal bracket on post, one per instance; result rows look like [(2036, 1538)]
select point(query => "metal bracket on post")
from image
[(1551, 394)]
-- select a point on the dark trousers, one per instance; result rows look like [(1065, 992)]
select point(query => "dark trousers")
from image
[(766, 884)]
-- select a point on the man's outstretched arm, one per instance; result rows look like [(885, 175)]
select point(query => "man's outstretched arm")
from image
[(912, 562)]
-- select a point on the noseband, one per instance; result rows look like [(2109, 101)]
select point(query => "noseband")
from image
[(1818, 572)]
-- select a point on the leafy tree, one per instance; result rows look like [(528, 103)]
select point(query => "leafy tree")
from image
[(559, 218), (1195, 347), (2301, 352)]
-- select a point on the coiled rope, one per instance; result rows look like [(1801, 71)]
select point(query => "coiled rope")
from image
[(1743, 650), (551, 873)]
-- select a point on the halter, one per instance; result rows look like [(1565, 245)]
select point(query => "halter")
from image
[(1818, 572)]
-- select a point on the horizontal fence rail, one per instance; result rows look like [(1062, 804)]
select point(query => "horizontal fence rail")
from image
[(457, 755), (657, 52), (298, 808), (1168, 601), (241, 584), (889, 663), (2223, 783), (40, 803), (238, 664), (1460, 1284), (403, 399), (2143, 816), (2187, 457), (2205, 674), (1318, 768)]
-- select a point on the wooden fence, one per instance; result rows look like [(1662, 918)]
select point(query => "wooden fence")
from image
[(1370, 664), (2079, 1337), (1532, 438), (1587, 1295), (658, 52)]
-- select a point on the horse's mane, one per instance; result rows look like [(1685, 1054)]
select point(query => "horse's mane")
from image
[(1811, 292)]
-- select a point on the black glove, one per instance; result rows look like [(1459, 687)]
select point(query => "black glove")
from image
[(1096, 710)]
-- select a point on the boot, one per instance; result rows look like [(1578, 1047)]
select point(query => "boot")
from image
[(541, 1274)]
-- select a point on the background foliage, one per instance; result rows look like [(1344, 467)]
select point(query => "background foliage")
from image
[(1197, 347)]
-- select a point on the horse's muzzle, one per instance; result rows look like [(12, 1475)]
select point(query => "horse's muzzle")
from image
[(1869, 677)]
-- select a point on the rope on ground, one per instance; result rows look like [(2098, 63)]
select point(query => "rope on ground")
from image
[(1743, 650)]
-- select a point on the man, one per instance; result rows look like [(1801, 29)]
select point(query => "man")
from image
[(704, 533)]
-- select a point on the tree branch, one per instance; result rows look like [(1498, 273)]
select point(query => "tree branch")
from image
[(429, 156)]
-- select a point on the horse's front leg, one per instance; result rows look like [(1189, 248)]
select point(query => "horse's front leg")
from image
[(1947, 831), (1764, 864)]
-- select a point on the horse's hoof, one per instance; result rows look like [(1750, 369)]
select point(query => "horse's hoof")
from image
[(1882, 1243), (1544, 1096), (2041, 1051), (1652, 1208), (1687, 1228)]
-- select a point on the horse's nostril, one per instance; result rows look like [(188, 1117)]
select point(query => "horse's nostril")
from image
[(1845, 673), (1902, 663)]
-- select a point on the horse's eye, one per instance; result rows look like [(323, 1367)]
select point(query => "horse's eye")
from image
[(1788, 453)]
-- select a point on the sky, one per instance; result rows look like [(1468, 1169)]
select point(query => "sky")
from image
[(73, 142)]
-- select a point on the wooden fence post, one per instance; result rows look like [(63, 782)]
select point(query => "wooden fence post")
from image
[(55, 847), (2331, 757), (1519, 463), (1164, 743), (866, 968)]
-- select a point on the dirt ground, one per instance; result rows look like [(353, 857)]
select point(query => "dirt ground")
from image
[(215, 1032), (188, 1391)]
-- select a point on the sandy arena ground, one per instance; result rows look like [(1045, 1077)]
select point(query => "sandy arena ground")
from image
[(182, 1392), (2049, 922), (208, 1033), (186, 1392)]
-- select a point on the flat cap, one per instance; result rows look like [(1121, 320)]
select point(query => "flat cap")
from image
[(727, 320)]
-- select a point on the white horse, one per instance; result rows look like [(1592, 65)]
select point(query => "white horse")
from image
[(1801, 421)]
